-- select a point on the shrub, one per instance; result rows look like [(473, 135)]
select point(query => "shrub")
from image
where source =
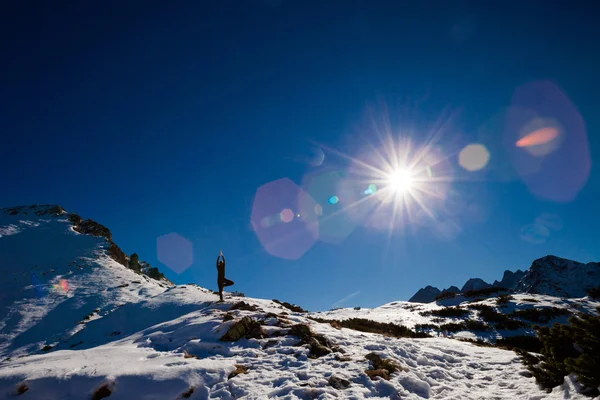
[(503, 299), (474, 325), (367, 325), (289, 306), (501, 321), (154, 273), (540, 314), (523, 342), (425, 327), (102, 392), (510, 324), (444, 296), (448, 312), (530, 300), (566, 349), (484, 292), (452, 327), (594, 293), (117, 254), (480, 307), (134, 262)]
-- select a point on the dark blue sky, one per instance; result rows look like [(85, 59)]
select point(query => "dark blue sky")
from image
[(158, 118)]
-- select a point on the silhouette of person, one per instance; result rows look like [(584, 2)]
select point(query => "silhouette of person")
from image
[(221, 280)]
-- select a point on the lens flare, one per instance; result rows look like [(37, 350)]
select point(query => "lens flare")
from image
[(539, 137), (473, 157), (286, 215), (333, 200)]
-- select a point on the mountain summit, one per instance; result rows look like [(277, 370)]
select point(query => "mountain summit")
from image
[(549, 275), (559, 277)]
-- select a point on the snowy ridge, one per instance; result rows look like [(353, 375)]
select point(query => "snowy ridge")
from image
[(549, 275), (560, 277), (76, 324), (54, 277)]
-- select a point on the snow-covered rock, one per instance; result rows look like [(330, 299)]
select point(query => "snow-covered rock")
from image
[(557, 276)]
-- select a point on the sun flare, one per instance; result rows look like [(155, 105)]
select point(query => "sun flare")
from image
[(400, 180)]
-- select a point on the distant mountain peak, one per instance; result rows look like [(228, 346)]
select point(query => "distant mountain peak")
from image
[(560, 277), (475, 284)]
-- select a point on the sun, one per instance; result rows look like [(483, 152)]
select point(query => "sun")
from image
[(400, 180)]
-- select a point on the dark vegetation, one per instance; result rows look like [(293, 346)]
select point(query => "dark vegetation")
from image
[(90, 227), (566, 349), (503, 299), (426, 327), (522, 342), (540, 314), (290, 306), (594, 293), (366, 325), (485, 292), (22, 388), (102, 392), (445, 296), (134, 263), (188, 393), (447, 312), (531, 300)]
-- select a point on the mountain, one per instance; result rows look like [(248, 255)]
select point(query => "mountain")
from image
[(509, 279), (425, 295), (76, 322), (58, 270), (557, 276), (429, 293), (475, 284), (548, 275)]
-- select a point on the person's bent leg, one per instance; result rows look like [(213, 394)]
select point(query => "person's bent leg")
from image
[(228, 282)]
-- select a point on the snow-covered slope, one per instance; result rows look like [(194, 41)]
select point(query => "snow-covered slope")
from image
[(76, 324), (560, 277), (55, 278), (169, 347)]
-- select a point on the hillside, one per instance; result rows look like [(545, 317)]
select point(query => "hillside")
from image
[(76, 324)]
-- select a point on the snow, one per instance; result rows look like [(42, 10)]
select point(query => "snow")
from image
[(560, 277), (149, 341)]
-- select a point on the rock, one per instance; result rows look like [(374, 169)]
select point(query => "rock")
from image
[(381, 373), (338, 383), (239, 369), (242, 305), (244, 328), (317, 349), (302, 331), (380, 363)]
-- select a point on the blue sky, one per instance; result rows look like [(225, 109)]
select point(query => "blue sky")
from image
[(162, 121)]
